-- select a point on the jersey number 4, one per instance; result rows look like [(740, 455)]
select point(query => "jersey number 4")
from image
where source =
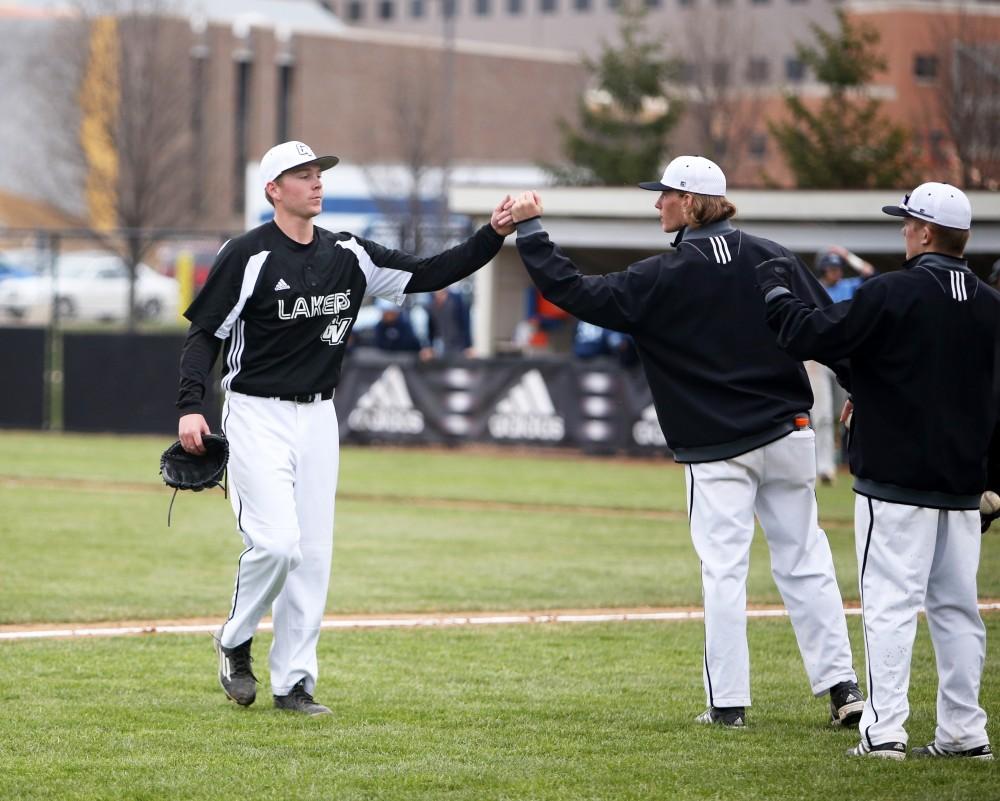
[(335, 331)]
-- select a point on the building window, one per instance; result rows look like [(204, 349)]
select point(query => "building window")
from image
[(795, 69), (416, 9), (758, 70), (449, 8), (653, 3), (613, 4), (720, 73), (515, 6), (581, 5), (757, 145), (687, 72), (686, 3), (286, 81), (483, 8), (724, 3), (547, 6), (925, 67), (386, 9), (760, 2), (355, 10), (241, 122)]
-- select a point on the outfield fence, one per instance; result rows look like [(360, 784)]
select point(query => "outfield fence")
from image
[(118, 382)]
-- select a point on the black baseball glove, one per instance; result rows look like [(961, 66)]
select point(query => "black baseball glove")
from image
[(775, 273), (191, 471)]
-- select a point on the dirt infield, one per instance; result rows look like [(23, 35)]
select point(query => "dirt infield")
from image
[(502, 618)]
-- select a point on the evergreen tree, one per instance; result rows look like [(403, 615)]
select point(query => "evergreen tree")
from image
[(846, 143), (621, 136)]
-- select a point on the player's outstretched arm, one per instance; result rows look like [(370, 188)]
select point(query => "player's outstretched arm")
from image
[(616, 301)]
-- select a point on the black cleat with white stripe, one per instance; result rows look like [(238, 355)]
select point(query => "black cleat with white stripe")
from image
[(846, 704), (981, 752), (891, 750), (730, 717), (235, 674), (300, 700)]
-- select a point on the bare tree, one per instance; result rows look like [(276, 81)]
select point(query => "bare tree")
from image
[(119, 114), (415, 131), (722, 103), (965, 69)]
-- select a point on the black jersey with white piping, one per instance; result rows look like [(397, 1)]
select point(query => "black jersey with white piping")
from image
[(285, 310)]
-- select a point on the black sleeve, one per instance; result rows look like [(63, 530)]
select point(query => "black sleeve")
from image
[(616, 301), (199, 353), (436, 272), (825, 335), (807, 287), (223, 290)]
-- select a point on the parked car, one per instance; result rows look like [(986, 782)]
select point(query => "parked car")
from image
[(90, 286), (12, 271)]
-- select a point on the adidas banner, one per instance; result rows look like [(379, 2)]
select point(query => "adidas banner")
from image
[(598, 406)]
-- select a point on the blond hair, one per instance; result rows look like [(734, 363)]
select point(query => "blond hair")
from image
[(706, 209)]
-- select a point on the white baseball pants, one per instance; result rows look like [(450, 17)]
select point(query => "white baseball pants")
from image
[(283, 466), (908, 557), (823, 416), (777, 484)]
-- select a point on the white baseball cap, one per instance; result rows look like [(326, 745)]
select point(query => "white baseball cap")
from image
[(695, 174), (941, 204), (288, 155)]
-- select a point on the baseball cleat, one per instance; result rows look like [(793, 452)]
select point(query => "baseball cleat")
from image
[(891, 750), (982, 752), (235, 675), (298, 700), (846, 704), (732, 717)]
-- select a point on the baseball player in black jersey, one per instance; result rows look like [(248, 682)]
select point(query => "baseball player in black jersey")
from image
[(280, 302), (923, 346), (734, 410)]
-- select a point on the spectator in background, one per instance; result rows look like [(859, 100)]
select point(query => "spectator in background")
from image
[(591, 341), (830, 266), (828, 396), (449, 326), (393, 332)]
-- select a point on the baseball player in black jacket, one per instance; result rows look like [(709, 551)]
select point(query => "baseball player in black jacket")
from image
[(924, 350), (734, 410), (281, 300)]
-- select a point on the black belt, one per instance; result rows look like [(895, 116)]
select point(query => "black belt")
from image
[(313, 396)]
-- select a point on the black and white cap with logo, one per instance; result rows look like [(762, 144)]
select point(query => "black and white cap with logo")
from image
[(941, 204), (288, 155), (695, 174)]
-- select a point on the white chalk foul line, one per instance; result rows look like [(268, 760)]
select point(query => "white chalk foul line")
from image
[(422, 621)]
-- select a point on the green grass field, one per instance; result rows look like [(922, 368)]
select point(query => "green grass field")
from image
[(557, 711)]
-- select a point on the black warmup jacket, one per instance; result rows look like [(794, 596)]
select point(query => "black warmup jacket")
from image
[(720, 384), (924, 351)]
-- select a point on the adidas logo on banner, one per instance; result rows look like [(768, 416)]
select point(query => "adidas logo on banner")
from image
[(387, 407), (646, 430), (526, 412), (281, 285)]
